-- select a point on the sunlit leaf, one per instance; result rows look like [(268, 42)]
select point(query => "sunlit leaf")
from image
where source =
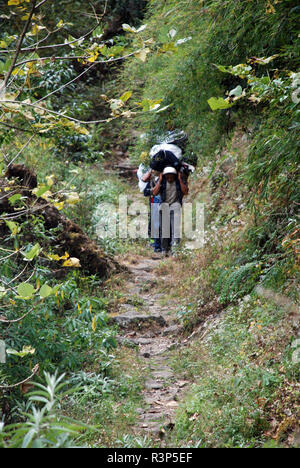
[(45, 291), (3, 292), (141, 28), (128, 28), (25, 291), (72, 263), (59, 205), (238, 91), (25, 351), (15, 198), (219, 103), (126, 96), (34, 252), (94, 324), (142, 54), (14, 227), (72, 198)]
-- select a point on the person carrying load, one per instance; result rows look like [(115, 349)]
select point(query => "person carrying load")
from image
[(172, 186), (154, 220), (167, 161)]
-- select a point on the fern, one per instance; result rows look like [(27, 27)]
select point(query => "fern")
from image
[(237, 282)]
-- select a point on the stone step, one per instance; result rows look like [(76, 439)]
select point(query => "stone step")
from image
[(133, 321)]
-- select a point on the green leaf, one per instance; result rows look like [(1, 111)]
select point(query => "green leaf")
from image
[(150, 105), (25, 351), (98, 32), (2, 292), (34, 252), (40, 191), (45, 291), (14, 227), (128, 28), (132, 29), (15, 198), (7, 65), (25, 291), (238, 91), (219, 103)]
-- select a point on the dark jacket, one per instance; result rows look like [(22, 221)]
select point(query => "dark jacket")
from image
[(148, 192), (164, 187)]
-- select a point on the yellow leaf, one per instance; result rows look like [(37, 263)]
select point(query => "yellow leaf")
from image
[(53, 257), (57, 257), (14, 2), (18, 71), (50, 180), (94, 324), (93, 57), (36, 29), (270, 8), (73, 198), (47, 195), (65, 256), (142, 54), (72, 263), (59, 205)]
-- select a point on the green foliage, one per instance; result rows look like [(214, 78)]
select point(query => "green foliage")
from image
[(44, 426), (242, 376), (237, 282), (184, 75), (76, 148)]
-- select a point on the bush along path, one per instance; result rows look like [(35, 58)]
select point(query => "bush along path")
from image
[(152, 328)]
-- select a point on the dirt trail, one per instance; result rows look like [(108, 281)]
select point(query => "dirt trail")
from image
[(152, 328)]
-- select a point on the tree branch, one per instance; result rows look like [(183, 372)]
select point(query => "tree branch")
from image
[(15, 128), (20, 41), (34, 371), (57, 113)]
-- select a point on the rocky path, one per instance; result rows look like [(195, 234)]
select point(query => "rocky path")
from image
[(152, 328)]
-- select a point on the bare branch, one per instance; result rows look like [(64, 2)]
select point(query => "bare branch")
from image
[(21, 150), (36, 47), (34, 371), (19, 44), (67, 84), (15, 128), (41, 3), (56, 113), (76, 57), (3, 320)]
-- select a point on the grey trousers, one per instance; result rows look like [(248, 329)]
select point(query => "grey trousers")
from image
[(170, 222)]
